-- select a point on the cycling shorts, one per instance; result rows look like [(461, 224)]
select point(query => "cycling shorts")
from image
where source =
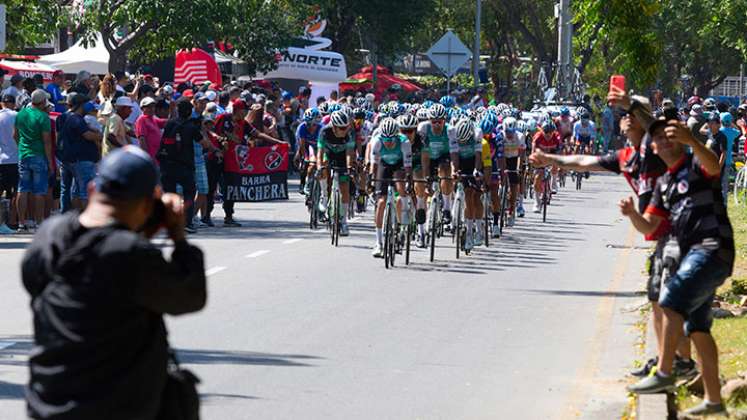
[(338, 161), (385, 174), (436, 163), (584, 139), (467, 167), (512, 164)]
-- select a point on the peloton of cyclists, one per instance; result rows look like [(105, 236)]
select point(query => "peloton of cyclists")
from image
[(336, 150), (441, 150), (469, 167)]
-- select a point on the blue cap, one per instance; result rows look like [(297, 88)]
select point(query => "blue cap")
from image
[(127, 173), (726, 118), (287, 96)]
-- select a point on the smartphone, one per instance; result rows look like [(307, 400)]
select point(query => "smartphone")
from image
[(617, 81)]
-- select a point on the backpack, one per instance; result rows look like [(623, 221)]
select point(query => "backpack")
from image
[(171, 143)]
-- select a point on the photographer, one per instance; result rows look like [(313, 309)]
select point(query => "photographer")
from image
[(99, 290)]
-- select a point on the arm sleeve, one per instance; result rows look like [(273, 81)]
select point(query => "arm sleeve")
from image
[(656, 204), (453, 142), (610, 162), (406, 148), (376, 150), (423, 129), (172, 287)]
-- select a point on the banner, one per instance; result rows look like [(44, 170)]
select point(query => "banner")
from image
[(256, 173), (196, 66)]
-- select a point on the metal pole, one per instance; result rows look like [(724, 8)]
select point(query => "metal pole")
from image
[(375, 62), (565, 40), (476, 53), (448, 77)]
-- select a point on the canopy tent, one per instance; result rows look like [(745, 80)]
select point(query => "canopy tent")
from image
[(94, 59), (26, 69), (385, 79)]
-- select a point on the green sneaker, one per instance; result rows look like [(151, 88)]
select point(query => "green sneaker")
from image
[(705, 408), (654, 384)]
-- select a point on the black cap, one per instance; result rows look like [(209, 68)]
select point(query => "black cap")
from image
[(656, 125), (76, 100), (127, 173), (9, 98)]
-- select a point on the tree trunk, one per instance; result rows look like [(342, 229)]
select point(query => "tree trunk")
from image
[(117, 60)]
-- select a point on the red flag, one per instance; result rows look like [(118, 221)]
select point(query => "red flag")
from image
[(196, 66)]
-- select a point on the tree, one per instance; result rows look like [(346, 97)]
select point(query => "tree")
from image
[(31, 22)]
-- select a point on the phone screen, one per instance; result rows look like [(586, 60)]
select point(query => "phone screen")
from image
[(617, 81)]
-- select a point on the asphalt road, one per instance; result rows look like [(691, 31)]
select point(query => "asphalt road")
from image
[(538, 326)]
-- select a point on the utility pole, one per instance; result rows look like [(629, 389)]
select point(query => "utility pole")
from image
[(565, 48), (476, 53)]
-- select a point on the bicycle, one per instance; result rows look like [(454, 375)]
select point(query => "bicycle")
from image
[(457, 214), (435, 216), (546, 192), (503, 203), (392, 226), (740, 185), (486, 205), (312, 202), (334, 206)]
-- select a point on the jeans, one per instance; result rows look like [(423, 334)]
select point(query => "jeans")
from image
[(33, 175), (173, 174), (214, 175), (691, 290), (66, 185), (83, 173), (725, 175)]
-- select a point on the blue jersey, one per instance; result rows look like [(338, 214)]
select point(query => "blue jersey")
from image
[(303, 133)]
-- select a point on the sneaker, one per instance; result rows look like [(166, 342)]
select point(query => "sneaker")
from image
[(645, 370), (5, 230), (306, 190), (22, 228), (537, 208), (510, 222), (190, 229), (478, 239), (344, 230), (496, 230), (447, 217), (377, 251), (468, 244), (705, 408), (323, 205), (199, 224), (208, 222), (420, 241), (654, 384), (685, 369), (229, 222), (520, 211)]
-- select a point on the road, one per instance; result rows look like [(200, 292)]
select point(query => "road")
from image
[(538, 326)]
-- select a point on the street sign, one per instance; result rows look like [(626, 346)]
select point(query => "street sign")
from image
[(449, 54), (2, 27)]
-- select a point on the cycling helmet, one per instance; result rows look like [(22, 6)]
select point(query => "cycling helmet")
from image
[(359, 113), (422, 114), (389, 128), (509, 125), (481, 110), (340, 119), (742, 108), (548, 126), (407, 121), (334, 107), (465, 130), (694, 100), (565, 112), (501, 107), (382, 108), (324, 108), (447, 101), (360, 102), (428, 104), (709, 104), (521, 126), (583, 114), (311, 114), (531, 125), (516, 113), (437, 112), (349, 111), (488, 123)]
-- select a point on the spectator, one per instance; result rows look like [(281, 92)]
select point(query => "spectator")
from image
[(83, 146), (164, 108), (608, 127), (177, 157), (270, 119), (115, 131), (54, 89), (148, 127), (8, 165), (16, 86), (83, 84), (33, 135), (731, 134), (201, 177), (25, 97), (99, 290), (696, 121)]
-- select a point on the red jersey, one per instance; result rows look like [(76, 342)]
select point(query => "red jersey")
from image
[(547, 144)]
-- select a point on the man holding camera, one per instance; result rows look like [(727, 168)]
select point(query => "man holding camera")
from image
[(99, 290)]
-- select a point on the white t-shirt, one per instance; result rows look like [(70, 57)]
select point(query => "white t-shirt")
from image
[(8, 146)]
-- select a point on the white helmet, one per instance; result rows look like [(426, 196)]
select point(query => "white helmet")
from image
[(407, 121), (389, 127), (340, 119), (509, 124), (437, 112), (465, 130)]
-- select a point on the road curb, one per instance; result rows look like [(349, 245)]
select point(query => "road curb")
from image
[(651, 406)]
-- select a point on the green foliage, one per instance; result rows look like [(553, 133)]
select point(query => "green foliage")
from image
[(31, 23), (739, 286)]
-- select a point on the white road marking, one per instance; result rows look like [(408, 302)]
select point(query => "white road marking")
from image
[(214, 270), (259, 253), (6, 344), (292, 241)]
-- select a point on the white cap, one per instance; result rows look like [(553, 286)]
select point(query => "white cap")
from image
[(147, 101), (123, 101), (211, 95)]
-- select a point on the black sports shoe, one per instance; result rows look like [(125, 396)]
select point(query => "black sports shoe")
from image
[(645, 370), (447, 217), (190, 229), (208, 222), (684, 369), (229, 222)]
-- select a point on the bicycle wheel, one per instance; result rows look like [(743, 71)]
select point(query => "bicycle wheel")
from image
[(486, 222), (503, 205), (388, 234), (433, 227), (458, 227), (314, 205), (338, 208), (545, 200), (407, 243)]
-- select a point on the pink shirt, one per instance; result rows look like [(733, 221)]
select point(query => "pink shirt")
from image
[(150, 128)]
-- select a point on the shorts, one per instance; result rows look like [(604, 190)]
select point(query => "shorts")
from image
[(33, 173), (512, 164), (690, 291), (340, 163), (173, 174), (8, 180), (387, 172), (584, 140), (83, 173), (201, 178), (467, 167), (437, 162)]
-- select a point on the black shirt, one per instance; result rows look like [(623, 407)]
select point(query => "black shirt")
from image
[(718, 144), (97, 297), (691, 200), (177, 143)]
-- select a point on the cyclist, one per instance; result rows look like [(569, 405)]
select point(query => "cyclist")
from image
[(584, 132), (514, 150), (470, 167), (441, 147), (336, 148), (547, 140), (362, 129), (564, 125), (493, 164), (391, 156), (306, 136), (408, 125)]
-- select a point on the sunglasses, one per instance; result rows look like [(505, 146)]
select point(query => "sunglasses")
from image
[(437, 121), (407, 130)]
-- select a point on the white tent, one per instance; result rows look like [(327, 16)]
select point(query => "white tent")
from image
[(94, 59)]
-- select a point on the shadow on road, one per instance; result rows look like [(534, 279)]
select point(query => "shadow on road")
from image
[(14, 245), (218, 357), (14, 349), (213, 397), (586, 293), (11, 391)]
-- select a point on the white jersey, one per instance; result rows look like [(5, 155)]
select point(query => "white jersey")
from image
[(401, 152)]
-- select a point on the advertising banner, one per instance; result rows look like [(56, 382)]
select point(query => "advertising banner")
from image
[(256, 173)]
